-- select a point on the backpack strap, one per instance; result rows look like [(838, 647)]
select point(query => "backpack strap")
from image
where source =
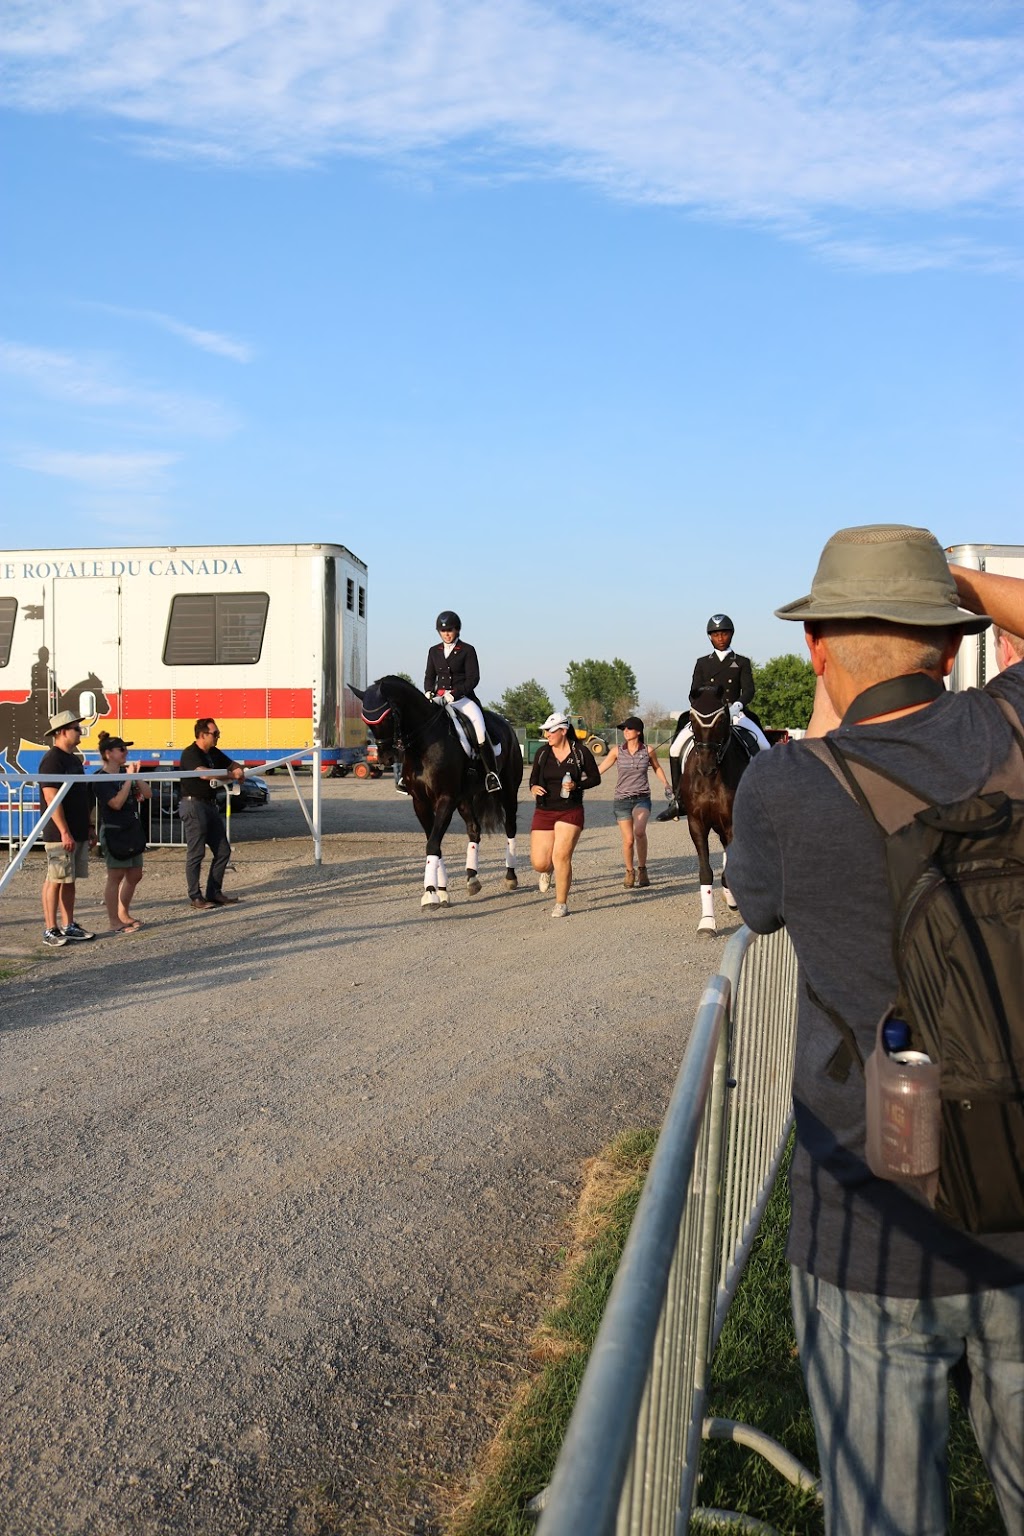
[(847, 1052), (885, 799), (1009, 776)]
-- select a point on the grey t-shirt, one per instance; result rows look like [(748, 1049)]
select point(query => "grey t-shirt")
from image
[(805, 856)]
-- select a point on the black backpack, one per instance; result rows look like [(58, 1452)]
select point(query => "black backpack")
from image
[(956, 878)]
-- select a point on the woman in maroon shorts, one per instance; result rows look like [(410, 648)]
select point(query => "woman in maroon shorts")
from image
[(562, 770)]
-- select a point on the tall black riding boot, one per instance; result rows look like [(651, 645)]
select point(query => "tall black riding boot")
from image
[(491, 781)]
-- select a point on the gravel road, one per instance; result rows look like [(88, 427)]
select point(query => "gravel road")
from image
[(285, 1184)]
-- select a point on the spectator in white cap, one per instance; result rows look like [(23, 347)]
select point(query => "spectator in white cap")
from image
[(562, 770)]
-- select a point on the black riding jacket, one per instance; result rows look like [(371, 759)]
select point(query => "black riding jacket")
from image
[(731, 671), (457, 674)]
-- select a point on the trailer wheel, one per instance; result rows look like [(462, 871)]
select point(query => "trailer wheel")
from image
[(598, 745), (361, 770)]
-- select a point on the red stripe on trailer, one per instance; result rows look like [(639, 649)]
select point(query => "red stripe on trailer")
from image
[(177, 703)]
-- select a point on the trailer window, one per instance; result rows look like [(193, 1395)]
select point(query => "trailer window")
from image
[(350, 594), (362, 602), (8, 609), (216, 629)]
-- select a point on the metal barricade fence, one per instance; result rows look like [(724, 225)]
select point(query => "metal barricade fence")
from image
[(23, 815), (629, 1461)]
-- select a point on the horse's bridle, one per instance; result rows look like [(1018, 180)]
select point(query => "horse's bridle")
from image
[(722, 747)]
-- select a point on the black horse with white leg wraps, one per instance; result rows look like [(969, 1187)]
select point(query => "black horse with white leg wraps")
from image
[(713, 769), (442, 779)]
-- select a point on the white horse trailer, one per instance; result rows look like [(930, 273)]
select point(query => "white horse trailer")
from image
[(975, 664), (146, 641)]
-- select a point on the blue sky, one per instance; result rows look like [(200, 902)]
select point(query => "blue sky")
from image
[(584, 319)]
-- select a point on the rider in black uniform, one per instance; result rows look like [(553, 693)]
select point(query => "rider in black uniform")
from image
[(452, 674), (734, 674)]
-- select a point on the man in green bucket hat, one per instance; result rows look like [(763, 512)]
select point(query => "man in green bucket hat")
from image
[(889, 1298)]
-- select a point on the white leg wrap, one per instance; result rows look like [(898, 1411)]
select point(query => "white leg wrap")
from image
[(442, 875), (707, 901), (473, 856), (430, 872), (510, 856)]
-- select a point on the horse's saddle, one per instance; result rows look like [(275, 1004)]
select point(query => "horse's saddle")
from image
[(465, 740)]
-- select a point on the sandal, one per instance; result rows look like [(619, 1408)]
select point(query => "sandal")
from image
[(132, 927)]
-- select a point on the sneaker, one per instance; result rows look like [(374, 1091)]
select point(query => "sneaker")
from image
[(544, 883), (54, 938), (76, 933), (559, 909), (642, 877)]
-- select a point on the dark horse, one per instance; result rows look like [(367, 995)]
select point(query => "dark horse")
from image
[(442, 779), (713, 770), (27, 721)]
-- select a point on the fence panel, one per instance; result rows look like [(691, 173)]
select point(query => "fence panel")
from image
[(629, 1461)]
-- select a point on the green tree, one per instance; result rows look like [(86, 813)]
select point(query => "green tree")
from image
[(605, 688), (524, 704), (784, 693)]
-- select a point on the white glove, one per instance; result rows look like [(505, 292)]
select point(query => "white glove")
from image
[(428, 694), (735, 710), (448, 697)]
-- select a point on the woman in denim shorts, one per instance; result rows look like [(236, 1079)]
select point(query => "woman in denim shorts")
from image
[(635, 760)]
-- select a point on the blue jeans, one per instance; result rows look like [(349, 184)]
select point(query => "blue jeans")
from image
[(877, 1372)]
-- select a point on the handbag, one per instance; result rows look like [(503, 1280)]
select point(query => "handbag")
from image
[(124, 842)]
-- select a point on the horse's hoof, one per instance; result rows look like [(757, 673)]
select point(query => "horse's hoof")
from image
[(429, 899), (473, 886), (442, 899), (709, 926), (511, 883), (730, 903)]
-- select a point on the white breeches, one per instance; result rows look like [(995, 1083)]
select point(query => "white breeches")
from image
[(475, 714), (679, 741), (755, 730)]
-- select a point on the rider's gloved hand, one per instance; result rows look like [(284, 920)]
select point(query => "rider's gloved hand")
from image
[(448, 696), (736, 710)]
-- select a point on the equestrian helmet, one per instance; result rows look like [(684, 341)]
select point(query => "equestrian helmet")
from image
[(448, 620), (721, 621)]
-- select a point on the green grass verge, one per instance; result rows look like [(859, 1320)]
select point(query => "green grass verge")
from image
[(755, 1378)]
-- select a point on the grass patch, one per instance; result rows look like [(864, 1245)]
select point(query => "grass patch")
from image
[(755, 1378), (520, 1462)]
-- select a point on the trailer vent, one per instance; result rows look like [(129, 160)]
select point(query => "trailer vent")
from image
[(8, 610), (216, 629)]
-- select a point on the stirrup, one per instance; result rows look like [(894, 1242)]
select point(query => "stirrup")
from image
[(492, 783)]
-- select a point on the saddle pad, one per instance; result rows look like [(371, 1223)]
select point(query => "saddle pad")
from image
[(468, 745)]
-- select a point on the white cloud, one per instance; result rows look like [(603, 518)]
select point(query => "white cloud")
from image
[(95, 384), (759, 109), (99, 471), (207, 341)]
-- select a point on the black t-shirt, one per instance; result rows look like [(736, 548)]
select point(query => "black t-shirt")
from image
[(804, 856), (105, 788), (195, 757), (549, 773), (77, 803)]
